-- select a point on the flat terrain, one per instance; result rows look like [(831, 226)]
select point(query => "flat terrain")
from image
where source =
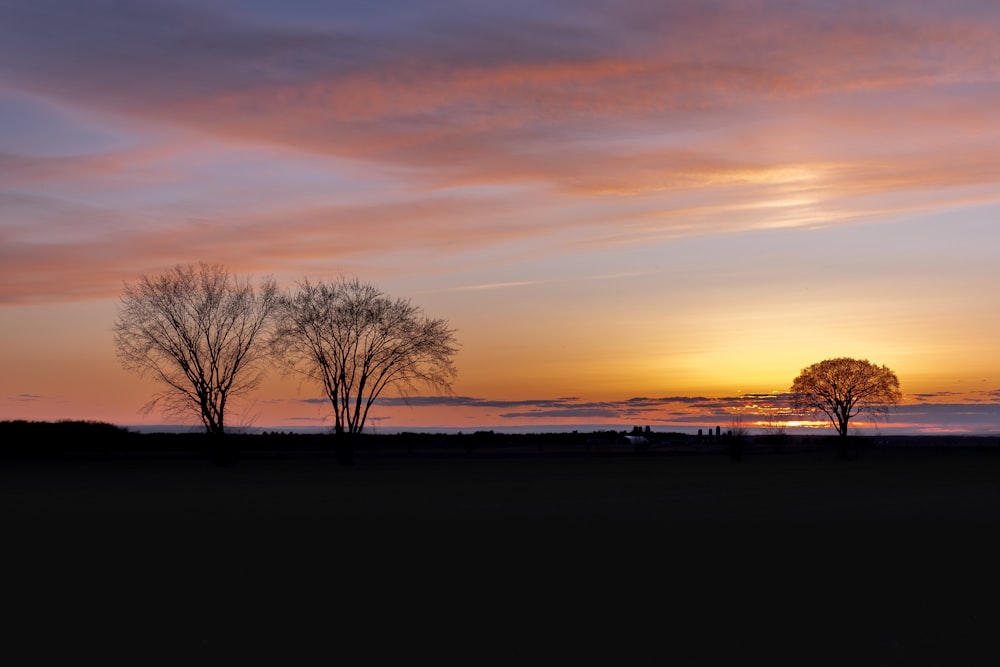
[(492, 557)]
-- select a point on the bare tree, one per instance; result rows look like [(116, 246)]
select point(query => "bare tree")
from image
[(775, 427), (355, 342), (843, 388), (738, 426), (198, 331)]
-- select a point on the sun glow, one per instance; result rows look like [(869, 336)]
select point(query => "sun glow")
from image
[(804, 423)]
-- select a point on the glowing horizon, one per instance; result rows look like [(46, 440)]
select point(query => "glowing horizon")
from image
[(608, 202)]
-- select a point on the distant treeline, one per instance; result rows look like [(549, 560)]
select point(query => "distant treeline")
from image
[(34, 439), (28, 440), (23, 439)]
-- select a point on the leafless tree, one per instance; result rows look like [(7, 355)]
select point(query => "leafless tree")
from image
[(775, 428), (843, 388), (198, 331), (738, 426), (356, 342)]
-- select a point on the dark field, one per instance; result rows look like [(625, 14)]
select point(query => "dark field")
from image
[(530, 555)]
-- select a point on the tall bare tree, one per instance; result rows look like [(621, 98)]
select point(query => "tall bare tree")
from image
[(356, 342), (199, 332), (843, 388)]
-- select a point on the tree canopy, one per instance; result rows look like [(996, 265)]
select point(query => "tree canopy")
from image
[(843, 388), (197, 330), (356, 342)]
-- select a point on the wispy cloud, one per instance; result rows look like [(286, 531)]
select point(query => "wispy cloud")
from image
[(648, 122), (661, 409), (492, 286), (756, 412)]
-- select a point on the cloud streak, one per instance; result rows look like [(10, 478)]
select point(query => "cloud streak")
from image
[(647, 123), (757, 413)]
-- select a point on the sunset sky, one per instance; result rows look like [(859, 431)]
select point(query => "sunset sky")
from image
[(631, 212)]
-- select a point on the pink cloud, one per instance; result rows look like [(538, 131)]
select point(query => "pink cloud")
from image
[(635, 121), (378, 94)]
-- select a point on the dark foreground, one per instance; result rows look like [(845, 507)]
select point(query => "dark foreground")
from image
[(557, 558)]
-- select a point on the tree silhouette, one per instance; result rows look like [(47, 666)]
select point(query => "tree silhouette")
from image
[(843, 388), (198, 331), (355, 342)]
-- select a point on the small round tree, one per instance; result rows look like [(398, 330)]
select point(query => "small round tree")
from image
[(843, 388)]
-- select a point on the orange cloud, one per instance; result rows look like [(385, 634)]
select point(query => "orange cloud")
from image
[(616, 125)]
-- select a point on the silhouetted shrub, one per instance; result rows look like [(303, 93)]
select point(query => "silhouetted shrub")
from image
[(34, 439)]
